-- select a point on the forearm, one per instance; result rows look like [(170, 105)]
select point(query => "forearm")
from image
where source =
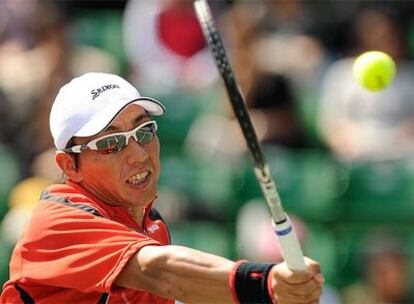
[(192, 276), (179, 272)]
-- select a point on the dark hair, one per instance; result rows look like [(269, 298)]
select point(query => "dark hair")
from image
[(75, 156), (71, 143)]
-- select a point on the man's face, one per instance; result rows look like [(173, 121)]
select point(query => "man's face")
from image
[(129, 177)]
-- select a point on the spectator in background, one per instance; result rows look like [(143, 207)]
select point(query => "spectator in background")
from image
[(271, 95), (386, 277), (268, 47), (166, 47), (28, 55), (358, 125), (267, 59), (36, 58), (16, 35)]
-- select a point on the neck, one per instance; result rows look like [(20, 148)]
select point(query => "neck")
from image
[(137, 214)]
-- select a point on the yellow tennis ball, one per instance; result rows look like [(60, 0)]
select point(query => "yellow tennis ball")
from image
[(374, 70)]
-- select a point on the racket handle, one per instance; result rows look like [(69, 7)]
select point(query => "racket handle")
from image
[(289, 244)]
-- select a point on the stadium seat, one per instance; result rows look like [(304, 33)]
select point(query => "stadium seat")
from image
[(380, 192), (5, 254), (182, 109), (103, 30), (321, 245), (210, 237), (307, 182), (210, 184), (9, 175)]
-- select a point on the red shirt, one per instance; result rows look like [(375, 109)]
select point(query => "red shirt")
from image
[(73, 248)]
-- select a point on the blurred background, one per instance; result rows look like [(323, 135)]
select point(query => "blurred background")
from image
[(342, 157)]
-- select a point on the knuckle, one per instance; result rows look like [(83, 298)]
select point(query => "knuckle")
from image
[(307, 290), (317, 293)]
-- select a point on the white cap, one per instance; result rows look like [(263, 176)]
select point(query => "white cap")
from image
[(89, 103)]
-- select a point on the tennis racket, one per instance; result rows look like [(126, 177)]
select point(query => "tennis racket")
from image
[(291, 250)]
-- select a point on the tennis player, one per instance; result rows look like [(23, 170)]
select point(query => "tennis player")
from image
[(98, 239)]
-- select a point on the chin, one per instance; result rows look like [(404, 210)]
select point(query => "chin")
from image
[(143, 200), (151, 197)]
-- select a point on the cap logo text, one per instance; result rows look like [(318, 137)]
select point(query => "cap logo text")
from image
[(96, 92)]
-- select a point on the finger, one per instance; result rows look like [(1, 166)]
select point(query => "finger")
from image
[(312, 297), (305, 289), (315, 269), (295, 302), (282, 273), (313, 266), (319, 278)]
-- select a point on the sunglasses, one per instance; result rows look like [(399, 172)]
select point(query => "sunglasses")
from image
[(115, 142)]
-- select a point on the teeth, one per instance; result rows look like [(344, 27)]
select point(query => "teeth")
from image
[(137, 178)]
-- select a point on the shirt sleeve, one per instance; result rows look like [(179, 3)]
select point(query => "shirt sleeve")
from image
[(71, 248)]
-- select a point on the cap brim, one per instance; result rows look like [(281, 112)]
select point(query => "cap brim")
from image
[(104, 117), (151, 105)]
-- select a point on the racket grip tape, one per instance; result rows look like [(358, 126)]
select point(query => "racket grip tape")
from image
[(289, 244)]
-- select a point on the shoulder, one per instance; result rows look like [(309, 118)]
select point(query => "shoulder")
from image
[(60, 208), (62, 197)]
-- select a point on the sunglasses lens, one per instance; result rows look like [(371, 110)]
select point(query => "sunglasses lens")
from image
[(144, 137), (115, 143), (146, 134), (111, 144)]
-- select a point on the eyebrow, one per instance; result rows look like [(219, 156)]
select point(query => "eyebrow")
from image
[(135, 122)]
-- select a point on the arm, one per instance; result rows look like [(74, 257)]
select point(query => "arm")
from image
[(180, 273), (190, 276)]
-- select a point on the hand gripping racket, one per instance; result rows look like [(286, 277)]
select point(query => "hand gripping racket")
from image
[(288, 241)]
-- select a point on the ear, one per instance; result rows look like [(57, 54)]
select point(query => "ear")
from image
[(67, 164)]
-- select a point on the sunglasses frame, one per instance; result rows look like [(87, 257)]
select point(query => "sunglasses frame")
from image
[(91, 145)]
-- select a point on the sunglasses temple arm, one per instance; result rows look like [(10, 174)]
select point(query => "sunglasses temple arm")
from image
[(76, 149)]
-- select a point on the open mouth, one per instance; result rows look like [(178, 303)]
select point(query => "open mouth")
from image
[(139, 178)]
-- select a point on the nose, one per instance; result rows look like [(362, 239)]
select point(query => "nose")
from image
[(136, 152)]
